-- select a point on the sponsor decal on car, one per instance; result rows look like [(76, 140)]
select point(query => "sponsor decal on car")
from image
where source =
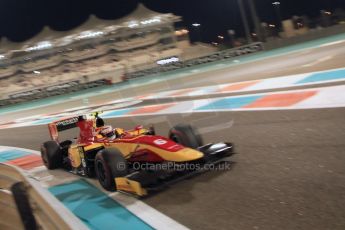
[(66, 122)]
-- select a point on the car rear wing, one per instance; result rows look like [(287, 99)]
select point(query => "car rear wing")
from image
[(61, 125)]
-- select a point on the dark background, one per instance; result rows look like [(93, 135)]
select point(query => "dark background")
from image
[(22, 19)]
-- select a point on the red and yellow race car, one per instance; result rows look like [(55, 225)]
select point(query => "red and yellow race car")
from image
[(133, 161)]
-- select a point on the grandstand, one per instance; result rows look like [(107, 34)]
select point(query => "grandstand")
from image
[(97, 49)]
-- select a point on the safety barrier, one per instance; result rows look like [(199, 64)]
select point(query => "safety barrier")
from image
[(217, 56), (52, 90), (24, 204)]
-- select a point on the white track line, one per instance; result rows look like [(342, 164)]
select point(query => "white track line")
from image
[(318, 61)]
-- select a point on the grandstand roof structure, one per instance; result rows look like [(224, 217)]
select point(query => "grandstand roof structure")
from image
[(93, 27)]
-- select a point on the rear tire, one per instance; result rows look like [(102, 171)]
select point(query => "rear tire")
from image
[(186, 135), (51, 155), (109, 164)]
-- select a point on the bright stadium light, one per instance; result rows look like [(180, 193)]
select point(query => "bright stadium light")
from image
[(184, 31), (178, 33), (110, 29), (40, 46), (66, 40), (90, 34), (181, 32), (276, 3), (196, 24), (150, 21), (133, 24), (167, 61)]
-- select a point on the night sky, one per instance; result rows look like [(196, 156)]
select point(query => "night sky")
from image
[(22, 19)]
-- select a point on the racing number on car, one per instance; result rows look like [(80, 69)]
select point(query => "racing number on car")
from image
[(160, 142)]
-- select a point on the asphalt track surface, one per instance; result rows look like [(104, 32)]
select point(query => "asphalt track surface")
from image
[(289, 172)]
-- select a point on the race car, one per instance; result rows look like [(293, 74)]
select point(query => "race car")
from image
[(132, 161)]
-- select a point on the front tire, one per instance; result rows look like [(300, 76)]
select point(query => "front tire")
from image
[(186, 135), (109, 164), (51, 155)]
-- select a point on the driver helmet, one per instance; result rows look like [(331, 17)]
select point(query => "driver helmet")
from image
[(108, 132), (99, 122)]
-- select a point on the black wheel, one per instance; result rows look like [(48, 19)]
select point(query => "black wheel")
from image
[(51, 155), (109, 164), (185, 135), (90, 172)]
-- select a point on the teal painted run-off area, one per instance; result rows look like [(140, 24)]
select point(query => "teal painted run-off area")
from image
[(230, 103), (95, 208)]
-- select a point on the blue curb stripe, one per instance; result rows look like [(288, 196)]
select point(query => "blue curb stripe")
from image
[(325, 76), (116, 113), (95, 208), (12, 154), (230, 103)]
